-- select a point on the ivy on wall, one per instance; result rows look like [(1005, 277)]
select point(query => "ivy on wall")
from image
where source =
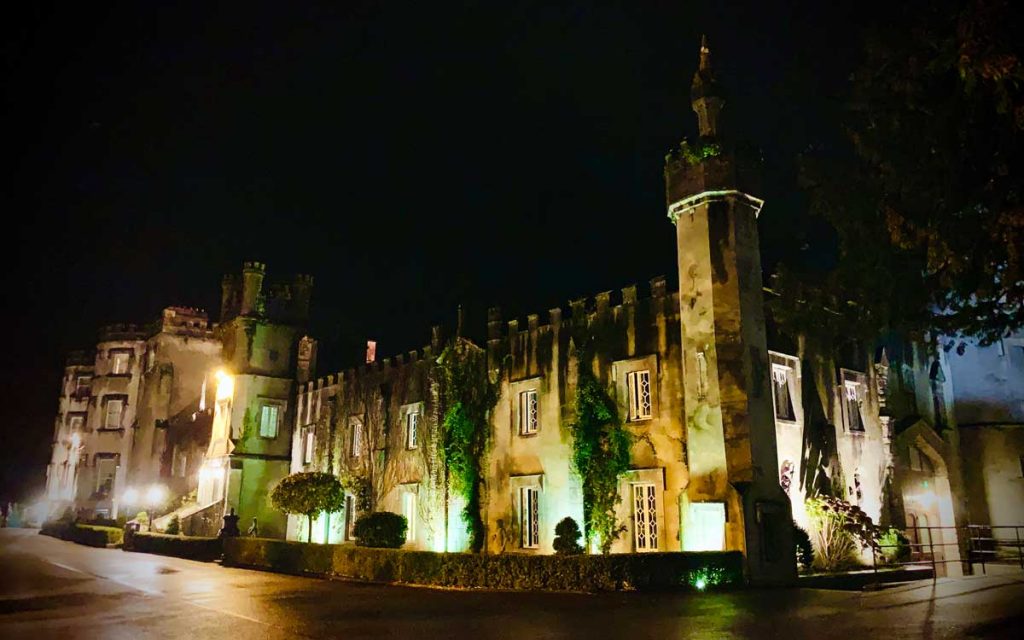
[(361, 489), (600, 456), (697, 153), (467, 396)]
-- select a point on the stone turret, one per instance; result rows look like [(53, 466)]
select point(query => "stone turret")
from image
[(733, 500), (252, 287)]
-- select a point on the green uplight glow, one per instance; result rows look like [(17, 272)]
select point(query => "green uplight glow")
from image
[(700, 584)]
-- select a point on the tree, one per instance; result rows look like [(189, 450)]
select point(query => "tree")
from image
[(567, 538), (926, 199), (308, 494)]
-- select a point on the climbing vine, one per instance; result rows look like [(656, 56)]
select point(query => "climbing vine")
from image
[(467, 395), (600, 456), (360, 488)]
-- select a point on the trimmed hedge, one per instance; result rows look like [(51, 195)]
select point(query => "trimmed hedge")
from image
[(89, 535), (204, 549), (615, 572), (382, 529)]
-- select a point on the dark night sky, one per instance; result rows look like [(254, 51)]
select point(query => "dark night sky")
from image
[(410, 157)]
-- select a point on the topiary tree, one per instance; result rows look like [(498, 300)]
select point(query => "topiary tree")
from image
[(567, 538), (173, 526), (308, 494), (382, 529)]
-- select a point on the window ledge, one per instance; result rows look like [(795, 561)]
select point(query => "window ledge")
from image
[(790, 423)]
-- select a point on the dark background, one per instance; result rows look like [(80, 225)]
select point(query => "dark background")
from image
[(411, 157)]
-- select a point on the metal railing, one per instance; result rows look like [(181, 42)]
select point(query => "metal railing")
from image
[(983, 546)]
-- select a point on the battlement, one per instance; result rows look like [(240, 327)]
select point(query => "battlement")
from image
[(121, 333), (394, 364), (582, 310), (186, 321), (253, 294)]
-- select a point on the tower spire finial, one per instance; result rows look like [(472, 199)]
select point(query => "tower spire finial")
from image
[(705, 93)]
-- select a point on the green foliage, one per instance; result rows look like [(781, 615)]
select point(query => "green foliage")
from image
[(309, 494), (894, 546), (192, 548), (360, 487), (382, 529), (804, 549), (467, 395), (697, 153), (173, 526), (567, 537), (587, 573), (89, 535), (839, 528), (600, 456)]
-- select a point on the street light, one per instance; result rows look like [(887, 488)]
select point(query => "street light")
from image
[(155, 496)]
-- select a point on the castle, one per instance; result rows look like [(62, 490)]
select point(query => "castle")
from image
[(730, 425)]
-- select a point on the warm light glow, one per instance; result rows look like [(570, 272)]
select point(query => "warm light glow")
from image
[(155, 495), (131, 496), (225, 384), (926, 499)]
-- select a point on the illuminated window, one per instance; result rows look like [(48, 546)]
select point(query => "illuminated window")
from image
[(645, 517), (781, 376), (82, 386), (357, 437), (269, 415), (853, 403), (112, 418), (529, 517), (106, 468), (119, 363), (409, 511), (350, 517), (75, 424), (307, 455), (638, 388), (412, 427), (529, 420)]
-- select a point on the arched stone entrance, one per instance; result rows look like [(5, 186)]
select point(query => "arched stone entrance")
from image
[(922, 480)]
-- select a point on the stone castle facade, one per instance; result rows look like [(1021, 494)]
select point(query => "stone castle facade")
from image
[(731, 425)]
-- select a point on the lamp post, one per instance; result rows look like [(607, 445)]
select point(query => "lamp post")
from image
[(155, 496)]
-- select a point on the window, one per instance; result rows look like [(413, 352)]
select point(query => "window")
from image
[(82, 386), (105, 470), (357, 437), (75, 424), (854, 420), (529, 517), (269, 414), (112, 419), (529, 419), (915, 458), (638, 388), (645, 517), (412, 427), (150, 358), (350, 517), (310, 444), (119, 364), (780, 393), (179, 463), (705, 527), (409, 511)]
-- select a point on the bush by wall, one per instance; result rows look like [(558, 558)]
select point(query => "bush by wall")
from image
[(383, 530), (506, 571), (89, 535), (204, 549)]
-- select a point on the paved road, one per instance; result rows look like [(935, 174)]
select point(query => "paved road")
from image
[(55, 589)]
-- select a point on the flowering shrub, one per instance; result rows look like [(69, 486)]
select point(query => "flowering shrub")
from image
[(839, 528)]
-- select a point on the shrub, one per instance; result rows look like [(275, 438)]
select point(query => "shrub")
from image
[(204, 549), (567, 536), (89, 535), (308, 494), (173, 526), (582, 572), (804, 548), (382, 529), (838, 528), (894, 546)]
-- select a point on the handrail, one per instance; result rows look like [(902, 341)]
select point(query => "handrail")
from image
[(973, 539)]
